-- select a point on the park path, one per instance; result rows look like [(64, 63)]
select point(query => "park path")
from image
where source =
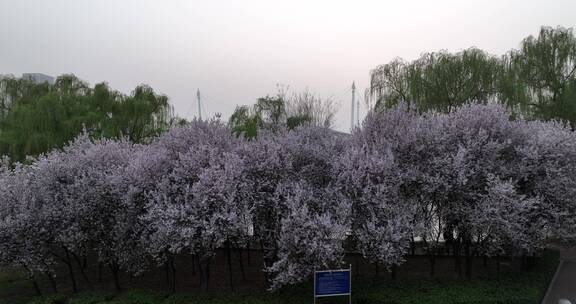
[(563, 285)]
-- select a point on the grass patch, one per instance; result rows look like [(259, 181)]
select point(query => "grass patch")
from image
[(513, 288), (15, 284)]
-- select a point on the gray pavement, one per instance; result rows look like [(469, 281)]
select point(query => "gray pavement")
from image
[(563, 285)]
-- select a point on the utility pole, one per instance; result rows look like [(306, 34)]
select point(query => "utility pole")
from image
[(352, 110), (199, 108), (358, 112)]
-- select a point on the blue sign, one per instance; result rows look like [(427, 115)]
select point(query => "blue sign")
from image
[(332, 283)]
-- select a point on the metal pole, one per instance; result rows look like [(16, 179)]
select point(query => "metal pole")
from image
[(350, 274), (314, 285), (199, 109), (358, 112), (352, 110)]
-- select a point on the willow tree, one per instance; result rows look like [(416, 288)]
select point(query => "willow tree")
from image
[(439, 80), (543, 74), (20, 90), (537, 80), (283, 111), (392, 83), (39, 117)]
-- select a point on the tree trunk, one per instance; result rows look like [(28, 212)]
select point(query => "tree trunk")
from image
[(432, 258), (99, 272), (457, 259), (82, 267), (357, 268), (447, 246), (200, 272), (248, 250), (532, 261), (498, 267), (84, 262), (32, 278), (469, 266), (523, 263), (229, 262), (115, 269), (240, 261), (207, 275), (394, 272), (167, 270), (469, 261), (376, 274), (52, 281), (36, 287), (413, 246), (68, 263), (173, 274), (194, 265), (264, 261), (204, 274)]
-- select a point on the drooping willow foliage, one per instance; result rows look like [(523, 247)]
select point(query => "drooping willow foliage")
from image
[(35, 118), (283, 111), (538, 80)]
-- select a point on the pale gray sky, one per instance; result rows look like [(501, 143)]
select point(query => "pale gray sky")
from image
[(237, 51)]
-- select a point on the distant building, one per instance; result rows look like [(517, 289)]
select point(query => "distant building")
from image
[(6, 98), (38, 78)]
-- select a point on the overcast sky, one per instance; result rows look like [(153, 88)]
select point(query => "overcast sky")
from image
[(237, 51)]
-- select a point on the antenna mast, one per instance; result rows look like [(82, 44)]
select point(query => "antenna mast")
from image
[(199, 108), (358, 112), (352, 111)]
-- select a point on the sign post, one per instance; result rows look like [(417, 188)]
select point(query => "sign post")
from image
[(333, 283)]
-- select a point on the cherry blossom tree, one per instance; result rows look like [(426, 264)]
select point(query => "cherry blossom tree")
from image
[(275, 164), (381, 222), (22, 241), (502, 221), (77, 195), (196, 206), (452, 167), (312, 230), (549, 174), (402, 150), (266, 167), (487, 163)]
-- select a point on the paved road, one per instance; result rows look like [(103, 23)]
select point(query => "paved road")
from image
[(563, 285)]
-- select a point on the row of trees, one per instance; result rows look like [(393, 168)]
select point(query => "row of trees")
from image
[(538, 79), (38, 117), (472, 179)]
